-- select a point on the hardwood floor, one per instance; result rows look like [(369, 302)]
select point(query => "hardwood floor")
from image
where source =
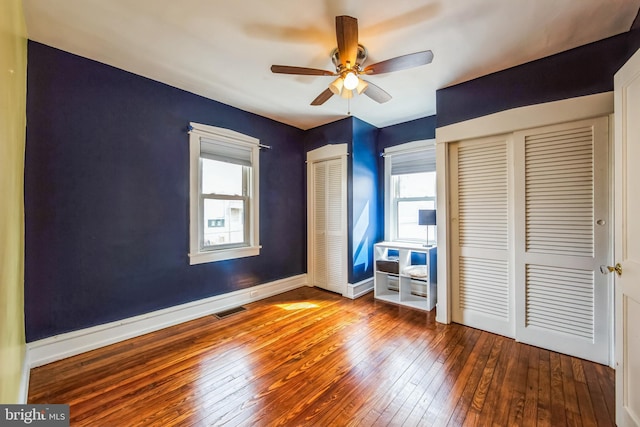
[(309, 357)]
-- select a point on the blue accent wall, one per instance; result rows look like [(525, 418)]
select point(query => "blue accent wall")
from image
[(585, 70), (107, 192), (364, 218)]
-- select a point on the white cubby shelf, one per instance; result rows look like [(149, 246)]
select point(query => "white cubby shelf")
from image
[(395, 282)]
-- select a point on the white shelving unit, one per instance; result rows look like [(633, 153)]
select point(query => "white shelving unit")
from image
[(392, 281)]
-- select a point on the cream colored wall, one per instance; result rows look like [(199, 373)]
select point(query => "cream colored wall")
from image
[(13, 89)]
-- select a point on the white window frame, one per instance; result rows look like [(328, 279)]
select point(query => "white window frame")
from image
[(198, 254), (390, 204)]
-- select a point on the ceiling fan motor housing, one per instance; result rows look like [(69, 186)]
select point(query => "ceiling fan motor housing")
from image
[(362, 56)]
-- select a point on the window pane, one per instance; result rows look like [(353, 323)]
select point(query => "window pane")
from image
[(223, 222), (221, 178), (416, 185), (408, 228)]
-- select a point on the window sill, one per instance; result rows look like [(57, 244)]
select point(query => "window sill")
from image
[(223, 254)]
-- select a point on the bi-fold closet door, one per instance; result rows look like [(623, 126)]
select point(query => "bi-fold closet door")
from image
[(529, 231)]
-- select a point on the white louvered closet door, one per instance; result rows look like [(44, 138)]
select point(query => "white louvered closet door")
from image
[(562, 232), (329, 225), (481, 290)]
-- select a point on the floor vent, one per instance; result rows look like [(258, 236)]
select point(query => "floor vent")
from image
[(227, 313)]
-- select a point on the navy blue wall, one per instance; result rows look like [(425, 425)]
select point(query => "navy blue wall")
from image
[(585, 70), (364, 217), (106, 196), (414, 130), (338, 132)]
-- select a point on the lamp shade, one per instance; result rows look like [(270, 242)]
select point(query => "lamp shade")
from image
[(336, 86), (426, 217), (362, 86), (346, 93)]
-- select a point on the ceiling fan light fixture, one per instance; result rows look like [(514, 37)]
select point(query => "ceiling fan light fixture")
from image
[(349, 58), (362, 86), (351, 80), (347, 93), (336, 86)]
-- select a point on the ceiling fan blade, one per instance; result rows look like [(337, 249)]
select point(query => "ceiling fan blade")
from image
[(347, 37), (376, 93), (400, 63), (286, 69), (323, 97)]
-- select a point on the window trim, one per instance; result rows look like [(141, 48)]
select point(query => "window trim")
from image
[(197, 254), (390, 212)]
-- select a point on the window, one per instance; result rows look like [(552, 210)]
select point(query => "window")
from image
[(410, 185), (223, 194)]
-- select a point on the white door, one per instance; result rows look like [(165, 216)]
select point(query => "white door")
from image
[(327, 225), (482, 295), (627, 238), (562, 238)]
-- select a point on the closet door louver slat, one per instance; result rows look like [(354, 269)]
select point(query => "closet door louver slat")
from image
[(559, 192), (560, 299), (482, 196)]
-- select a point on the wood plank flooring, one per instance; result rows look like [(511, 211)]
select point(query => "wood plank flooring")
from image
[(313, 358)]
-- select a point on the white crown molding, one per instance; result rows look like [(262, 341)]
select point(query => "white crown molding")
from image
[(61, 346)]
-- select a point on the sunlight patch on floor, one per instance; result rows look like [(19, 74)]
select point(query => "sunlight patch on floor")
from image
[(298, 305)]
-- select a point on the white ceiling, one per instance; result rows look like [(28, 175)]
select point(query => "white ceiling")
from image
[(223, 49)]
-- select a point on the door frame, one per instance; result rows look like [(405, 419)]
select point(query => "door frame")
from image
[(324, 153)]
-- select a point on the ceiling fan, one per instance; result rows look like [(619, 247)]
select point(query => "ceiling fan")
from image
[(349, 58)]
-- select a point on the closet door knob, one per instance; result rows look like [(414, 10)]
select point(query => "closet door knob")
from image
[(606, 269)]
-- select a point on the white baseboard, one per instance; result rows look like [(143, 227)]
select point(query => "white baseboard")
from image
[(357, 290), (69, 344)]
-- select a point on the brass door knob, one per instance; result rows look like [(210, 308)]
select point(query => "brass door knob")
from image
[(608, 269)]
